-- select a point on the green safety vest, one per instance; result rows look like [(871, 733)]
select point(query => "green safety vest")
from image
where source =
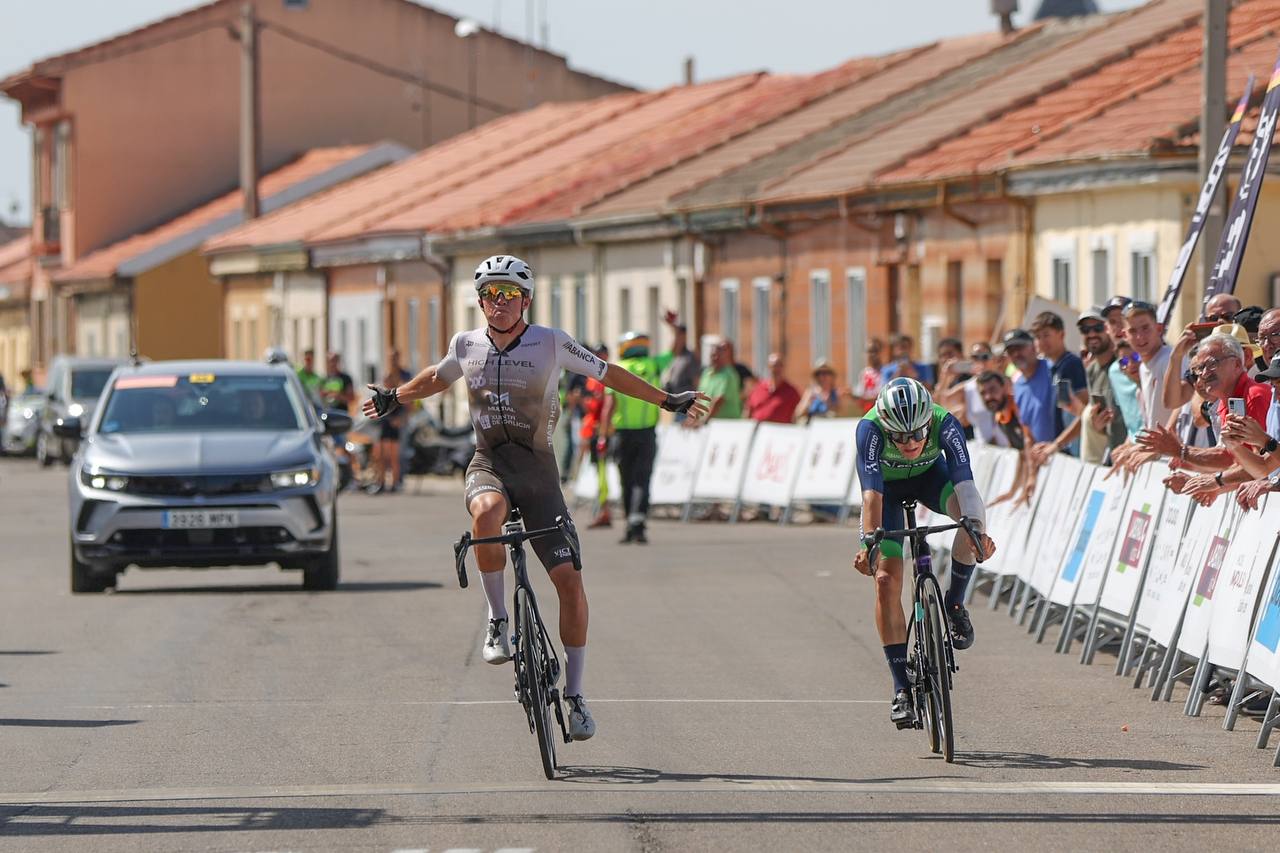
[(628, 412)]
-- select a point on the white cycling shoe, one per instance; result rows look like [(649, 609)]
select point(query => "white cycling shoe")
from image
[(581, 724), (497, 645)]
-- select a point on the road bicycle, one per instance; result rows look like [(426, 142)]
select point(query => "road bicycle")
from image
[(537, 666), (932, 660)]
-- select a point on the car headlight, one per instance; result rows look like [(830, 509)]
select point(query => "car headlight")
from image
[(95, 479), (75, 410), (295, 478)]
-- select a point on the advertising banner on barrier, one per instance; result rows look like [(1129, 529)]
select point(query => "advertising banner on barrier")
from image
[(1057, 536), (1136, 536), (1199, 611), (1242, 574), (1207, 526), (586, 487), (1072, 566), (1038, 565), (676, 466), (1003, 473), (724, 460), (1264, 649), (1160, 586), (827, 466), (772, 464), (1101, 546)]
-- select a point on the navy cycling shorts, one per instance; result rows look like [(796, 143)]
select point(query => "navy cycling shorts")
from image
[(933, 488)]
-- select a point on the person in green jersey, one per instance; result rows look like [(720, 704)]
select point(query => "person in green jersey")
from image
[(307, 374), (720, 382), (634, 423)]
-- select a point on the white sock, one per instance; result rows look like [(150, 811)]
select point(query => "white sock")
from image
[(493, 593), (576, 661)]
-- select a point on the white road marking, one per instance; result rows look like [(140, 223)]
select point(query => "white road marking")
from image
[(415, 703), (668, 786)]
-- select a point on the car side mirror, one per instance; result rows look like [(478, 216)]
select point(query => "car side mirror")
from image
[(335, 422), (67, 427)]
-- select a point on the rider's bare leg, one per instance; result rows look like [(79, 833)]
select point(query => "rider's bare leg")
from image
[(891, 622), (573, 624), (488, 514)]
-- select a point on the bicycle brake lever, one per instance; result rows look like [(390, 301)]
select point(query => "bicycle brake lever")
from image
[(460, 558)]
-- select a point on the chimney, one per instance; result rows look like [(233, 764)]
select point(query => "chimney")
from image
[(1004, 10), (688, 70)]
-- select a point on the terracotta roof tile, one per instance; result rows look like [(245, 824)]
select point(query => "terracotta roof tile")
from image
[(15, 261), (987, 146), (497, 181), (224, 211), (856, 165)]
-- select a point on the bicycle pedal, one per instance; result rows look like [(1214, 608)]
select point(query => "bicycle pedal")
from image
[(907, 724)]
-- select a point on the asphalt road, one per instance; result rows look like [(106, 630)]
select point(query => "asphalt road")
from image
[(735, 674)]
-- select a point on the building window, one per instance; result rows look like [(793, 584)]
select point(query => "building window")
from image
[(433, 329), (580, 307), (556, 301), (61, 166), (360, 363), (1101, 270), (624, 309), (820, 314), (730, 312), (682, 299), (760, 337), (955, 298), (1143, 266), (312, 341), (855, 280), (1063, 280), (415, 332), (295, 342), (652, 318), (252, 339)]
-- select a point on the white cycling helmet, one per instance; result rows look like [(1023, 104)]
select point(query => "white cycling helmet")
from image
[(506, 268), (904, 406)]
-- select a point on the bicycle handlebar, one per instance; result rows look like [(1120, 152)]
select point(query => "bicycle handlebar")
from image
[(873, 539), (513, 538)]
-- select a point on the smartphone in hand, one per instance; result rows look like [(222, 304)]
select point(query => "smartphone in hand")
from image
[(1064, 392), (1235, 406)]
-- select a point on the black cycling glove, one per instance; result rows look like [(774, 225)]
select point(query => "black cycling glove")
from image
[(385, 401), (680, 403)]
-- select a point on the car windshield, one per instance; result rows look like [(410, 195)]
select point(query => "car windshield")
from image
[(201, 403), (87, 382)]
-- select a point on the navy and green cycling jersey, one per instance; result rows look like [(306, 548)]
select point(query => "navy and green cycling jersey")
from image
[(941, 470), (879, 459)]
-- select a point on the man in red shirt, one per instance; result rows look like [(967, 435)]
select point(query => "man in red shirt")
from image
[(775, 399)]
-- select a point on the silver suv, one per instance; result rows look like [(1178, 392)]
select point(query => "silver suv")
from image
[(201, 464)]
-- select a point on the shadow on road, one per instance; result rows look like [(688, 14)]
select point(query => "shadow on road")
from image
[(278, 588), (25, 652), (142, 820), (848, 817), (1033, 761), (64, 724)]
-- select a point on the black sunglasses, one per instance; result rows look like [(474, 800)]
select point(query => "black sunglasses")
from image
[(908, 437), (1092, 328)]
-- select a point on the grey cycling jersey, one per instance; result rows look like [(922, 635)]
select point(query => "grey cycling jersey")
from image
[(514, 393)]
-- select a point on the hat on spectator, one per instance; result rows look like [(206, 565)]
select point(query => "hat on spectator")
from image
[(1272, 372), (1091, 313), (1235, 330), (1114, 302), (823, 366), (1249, 318), (1017, 338)]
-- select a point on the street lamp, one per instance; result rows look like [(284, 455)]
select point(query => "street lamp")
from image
[(467, 29)]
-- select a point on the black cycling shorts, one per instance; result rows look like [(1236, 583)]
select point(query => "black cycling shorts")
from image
[(531, 484)]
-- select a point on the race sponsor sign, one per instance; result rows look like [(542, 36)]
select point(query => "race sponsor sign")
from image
[(772, 464), (676, 465), (1137, 529), (724, 460), (1231, 617), (827, 465)]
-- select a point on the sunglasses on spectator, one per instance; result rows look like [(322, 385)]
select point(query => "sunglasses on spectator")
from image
[(1269, 336), (1092, 328), (494, 291), (1221, 317), (908, 437), (981, 356), (1127, 360), (1207, 367)]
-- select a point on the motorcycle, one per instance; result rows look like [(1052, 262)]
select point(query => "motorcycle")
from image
[(438, 449)]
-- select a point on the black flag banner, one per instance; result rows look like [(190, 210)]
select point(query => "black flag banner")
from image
[(1236, 231), (1207, 192)]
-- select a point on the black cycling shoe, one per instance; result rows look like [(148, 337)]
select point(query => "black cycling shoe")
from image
[(961, 627), (902, 712)]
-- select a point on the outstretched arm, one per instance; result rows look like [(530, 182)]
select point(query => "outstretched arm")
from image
[(619, 379)]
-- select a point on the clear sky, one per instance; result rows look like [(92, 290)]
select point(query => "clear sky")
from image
[(641, 43)]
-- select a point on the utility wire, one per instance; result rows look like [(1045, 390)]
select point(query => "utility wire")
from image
[(385, 70)]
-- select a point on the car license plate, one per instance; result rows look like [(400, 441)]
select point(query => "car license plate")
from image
[(199, 519)]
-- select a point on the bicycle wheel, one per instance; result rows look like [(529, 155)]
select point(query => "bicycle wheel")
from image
[(922, 684), (534, 649), (939, 683)]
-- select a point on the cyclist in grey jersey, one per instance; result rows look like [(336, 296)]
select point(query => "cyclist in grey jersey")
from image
[(512, 370)]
